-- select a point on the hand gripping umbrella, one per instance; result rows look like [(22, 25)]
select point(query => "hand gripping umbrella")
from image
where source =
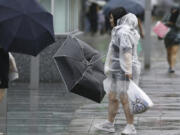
[(25, 27), (81, 69)]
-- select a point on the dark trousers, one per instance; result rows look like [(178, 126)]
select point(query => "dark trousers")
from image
[(4, 68)]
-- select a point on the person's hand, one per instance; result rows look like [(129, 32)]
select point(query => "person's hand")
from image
[(106, 71), (159, 38), (129, 76), (142, 35)]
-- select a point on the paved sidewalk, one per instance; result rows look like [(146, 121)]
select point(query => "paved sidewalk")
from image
[(51, 111), (162, 119), (164, 90)]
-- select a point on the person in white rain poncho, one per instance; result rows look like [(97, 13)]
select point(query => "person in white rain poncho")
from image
[(121, 65)]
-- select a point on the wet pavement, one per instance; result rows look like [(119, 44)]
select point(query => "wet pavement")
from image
[(47, 111), (162, 119), (52, 111)]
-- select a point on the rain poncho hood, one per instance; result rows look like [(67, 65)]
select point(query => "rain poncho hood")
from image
[(129, 20), (122, 53)]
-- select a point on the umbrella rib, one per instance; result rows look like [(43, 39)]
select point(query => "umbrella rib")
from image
[(61, 75), (19, 3), (65, 81), (98, 59), (68, 57), (10, 8), (14, 37), (38, 23), (15, 33), (9, 18), (40, 12), (80, 78), (80, 47), (32, 31)]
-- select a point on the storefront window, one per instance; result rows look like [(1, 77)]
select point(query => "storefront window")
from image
[(74, 14), (65, 12)]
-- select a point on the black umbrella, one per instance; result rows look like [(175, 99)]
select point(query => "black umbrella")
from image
[(131, 6), (25, 27), (81, 69)]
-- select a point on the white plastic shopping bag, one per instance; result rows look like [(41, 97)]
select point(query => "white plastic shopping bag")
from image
[(13, 71), (138, 99)]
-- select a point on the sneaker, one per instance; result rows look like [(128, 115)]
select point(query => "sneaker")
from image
[(129, 130), (171, 70), (105, 126)]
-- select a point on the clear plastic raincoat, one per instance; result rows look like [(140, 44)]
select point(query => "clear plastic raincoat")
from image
[(122, 56)]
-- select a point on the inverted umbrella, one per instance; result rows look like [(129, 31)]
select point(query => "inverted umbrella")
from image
[(131, 6), (81, 69), (25, 26)]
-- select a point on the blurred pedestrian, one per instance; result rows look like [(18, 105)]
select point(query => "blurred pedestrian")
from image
[(172, 39), (93, 17), (101, 20), (121, 65), (86, 17)]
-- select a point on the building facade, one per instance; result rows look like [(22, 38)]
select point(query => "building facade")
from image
[(66, 14)]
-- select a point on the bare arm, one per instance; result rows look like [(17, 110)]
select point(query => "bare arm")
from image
[(128, 64), (125, 55), (140, 28)]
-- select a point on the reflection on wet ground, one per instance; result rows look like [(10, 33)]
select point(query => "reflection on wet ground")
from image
[(47, 111), (162, 119)]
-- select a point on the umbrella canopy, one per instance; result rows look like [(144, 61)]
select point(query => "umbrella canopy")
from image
[(81, 69), (131, 6), (25, 27), (99, 2), (142, 2)]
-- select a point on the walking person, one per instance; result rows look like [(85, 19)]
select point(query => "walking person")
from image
[(101, 20), (172, 39), (93, 18), (121, 65), (4, 70)]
